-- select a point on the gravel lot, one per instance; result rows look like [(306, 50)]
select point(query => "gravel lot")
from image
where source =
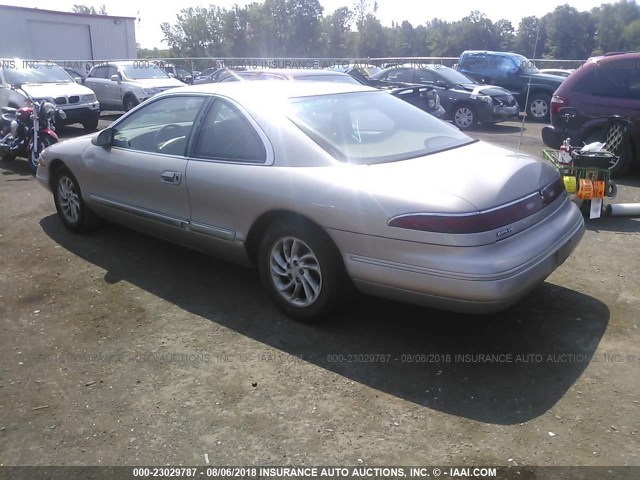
[(120, 349)]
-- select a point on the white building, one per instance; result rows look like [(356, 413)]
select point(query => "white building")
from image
[(35, 34)]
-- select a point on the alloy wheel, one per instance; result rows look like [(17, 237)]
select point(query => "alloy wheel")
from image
[(463, 117), (295, 272), (69, 199)]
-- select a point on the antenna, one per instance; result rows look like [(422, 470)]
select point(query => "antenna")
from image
[(526, 100)]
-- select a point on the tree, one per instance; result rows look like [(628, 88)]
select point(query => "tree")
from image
[(630, 38), (531, 37), (610, 22), (570, 34), (197, 32), (504, 35), (304, 27), (87, 10), (372, 38), (337, 37)]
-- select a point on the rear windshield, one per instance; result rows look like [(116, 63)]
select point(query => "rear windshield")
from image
[(372, 127)]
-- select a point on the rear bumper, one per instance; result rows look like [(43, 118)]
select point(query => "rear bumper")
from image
[(486, 279)]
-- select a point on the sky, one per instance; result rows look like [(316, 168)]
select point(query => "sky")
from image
[(153, 12)]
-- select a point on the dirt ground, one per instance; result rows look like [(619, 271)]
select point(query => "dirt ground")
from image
[(120, 349)]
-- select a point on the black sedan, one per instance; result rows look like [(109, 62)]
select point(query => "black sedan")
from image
[(421, 96), (465, 101)]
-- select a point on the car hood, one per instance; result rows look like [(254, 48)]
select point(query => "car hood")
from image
[(52, 90), (478, 89), (158, 82), (474, 177)]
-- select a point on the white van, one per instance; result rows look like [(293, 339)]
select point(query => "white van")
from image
[(47, 81)]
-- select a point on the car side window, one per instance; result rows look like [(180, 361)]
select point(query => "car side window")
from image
[(226, 134), (99, 72), (403, 75), (426, 76), (112, 71), (162, 126), (608, 80)]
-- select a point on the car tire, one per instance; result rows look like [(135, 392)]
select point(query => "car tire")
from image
[(539, 107), (464, 117), (625, 156), (306, 290), (91, 125), (129, 102), (32, 160), (75, 215)]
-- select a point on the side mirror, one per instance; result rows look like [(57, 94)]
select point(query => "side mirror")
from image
[(115, 78), (171, 75), (77, 79), (104, 138)]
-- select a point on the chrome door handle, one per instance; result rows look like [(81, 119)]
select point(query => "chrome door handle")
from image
[(174, 178)]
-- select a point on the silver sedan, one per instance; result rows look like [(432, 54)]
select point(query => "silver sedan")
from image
[(324, 187)]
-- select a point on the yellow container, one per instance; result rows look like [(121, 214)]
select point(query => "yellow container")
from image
[(570, 183)]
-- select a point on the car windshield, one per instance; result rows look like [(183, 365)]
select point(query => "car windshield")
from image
[(143, 72), (526, 65), (372, 127), (37, 74), (453, 76)]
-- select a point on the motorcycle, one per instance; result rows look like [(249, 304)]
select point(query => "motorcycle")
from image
[(26, 131)]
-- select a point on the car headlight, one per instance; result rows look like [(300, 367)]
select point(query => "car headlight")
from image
[(484, 98), (88, 98), (48, 108), (149, 91)]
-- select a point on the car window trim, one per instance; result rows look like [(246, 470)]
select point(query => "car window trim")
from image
[(269, 157), (191, 133)]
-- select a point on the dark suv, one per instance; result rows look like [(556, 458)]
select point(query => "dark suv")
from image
[(602, 87), (513, 72)]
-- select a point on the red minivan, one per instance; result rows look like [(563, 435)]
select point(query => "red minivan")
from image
[(602, 87)]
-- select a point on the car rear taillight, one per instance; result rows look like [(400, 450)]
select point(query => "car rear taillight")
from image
[(557, 103), (481, 221)]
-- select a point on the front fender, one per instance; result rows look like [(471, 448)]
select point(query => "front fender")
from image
[(50, 133)]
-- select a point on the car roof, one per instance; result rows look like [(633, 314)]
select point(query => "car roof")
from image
[(294, 72), (241, 90)]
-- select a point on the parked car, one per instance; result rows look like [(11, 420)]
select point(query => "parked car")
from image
[(177, 71), (76, 75), (323, 187), (317, 75), (561, 72), (602, 87), (517, 74), (465, 101), (421, 96), (123, 85), (210, 75), (51, 83)]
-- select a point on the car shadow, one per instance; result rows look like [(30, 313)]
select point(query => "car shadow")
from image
[(624, 225), (501, 369), (497, 128), (17, 168)]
